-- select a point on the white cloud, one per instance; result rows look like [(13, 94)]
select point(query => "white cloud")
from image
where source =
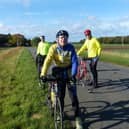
[(1, 25), (4, 28), (32, 13), (91, 18), (98, 26)]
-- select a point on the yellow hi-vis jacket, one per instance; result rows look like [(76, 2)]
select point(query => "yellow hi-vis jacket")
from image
[(92, 46), (63, 57)]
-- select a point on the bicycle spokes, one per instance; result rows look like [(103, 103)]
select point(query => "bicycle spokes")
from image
[(58, 118)]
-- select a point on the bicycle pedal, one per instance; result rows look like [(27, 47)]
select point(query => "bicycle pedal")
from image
[(58, 118)]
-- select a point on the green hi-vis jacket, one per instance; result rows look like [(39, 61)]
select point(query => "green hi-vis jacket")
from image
[(43, 48)]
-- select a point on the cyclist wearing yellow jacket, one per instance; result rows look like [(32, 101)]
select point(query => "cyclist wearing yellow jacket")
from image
[(93, 48), (65, 58), (42, 51)]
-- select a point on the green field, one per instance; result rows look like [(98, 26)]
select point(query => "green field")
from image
[(107, 46), (115, 53), (120, 57)]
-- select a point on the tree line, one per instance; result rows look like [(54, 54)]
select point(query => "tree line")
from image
[(21, 40), (13, 40), (112, 40)]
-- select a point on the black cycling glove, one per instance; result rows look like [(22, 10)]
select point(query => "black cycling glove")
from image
[(44, 79), (73, 78)]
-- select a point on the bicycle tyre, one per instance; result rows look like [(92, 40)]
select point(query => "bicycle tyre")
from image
[(58, 114), (88, 78), (81, 75), (49, 103)]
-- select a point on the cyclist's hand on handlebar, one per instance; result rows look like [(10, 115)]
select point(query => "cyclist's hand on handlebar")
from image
[(44, 79), (73, 78)]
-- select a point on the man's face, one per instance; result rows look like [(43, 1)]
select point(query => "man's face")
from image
[(62, 40), (88, 36)]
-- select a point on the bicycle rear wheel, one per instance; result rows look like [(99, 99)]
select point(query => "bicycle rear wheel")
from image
[(84, 77), (81, 76), (87, 78), (58, 118)]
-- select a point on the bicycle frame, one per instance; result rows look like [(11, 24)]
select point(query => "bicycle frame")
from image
[(84, 74), (82, 70)]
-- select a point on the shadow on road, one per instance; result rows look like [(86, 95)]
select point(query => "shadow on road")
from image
[(104, 70), (118, 113), (113, 86)]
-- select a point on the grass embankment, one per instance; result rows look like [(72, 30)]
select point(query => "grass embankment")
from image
[(116, 57), (21, 99), (3, 48)]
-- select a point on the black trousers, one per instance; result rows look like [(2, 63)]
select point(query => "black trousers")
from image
[(72, 93), (39, 63), (93, 68)]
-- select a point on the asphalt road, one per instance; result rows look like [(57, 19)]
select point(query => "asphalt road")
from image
[(108, 106)]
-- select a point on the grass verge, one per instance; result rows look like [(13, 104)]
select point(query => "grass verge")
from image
[(21, 99), (118, 59)]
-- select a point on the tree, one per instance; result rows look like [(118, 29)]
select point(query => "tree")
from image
[(35, 41), (82, 41), (3, 39), (17, 40)]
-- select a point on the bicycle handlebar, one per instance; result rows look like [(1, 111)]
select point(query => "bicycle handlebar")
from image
[(50, 78), (85, 58)]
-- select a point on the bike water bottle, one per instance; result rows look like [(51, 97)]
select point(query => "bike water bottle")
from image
[(52, 96)]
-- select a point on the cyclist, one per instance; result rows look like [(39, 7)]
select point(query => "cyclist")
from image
[(42, 51), (94, 49), (64, 56)]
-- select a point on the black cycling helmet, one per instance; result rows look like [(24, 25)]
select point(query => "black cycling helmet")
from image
[(62, 32)]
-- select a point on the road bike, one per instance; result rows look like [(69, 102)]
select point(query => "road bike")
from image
[(54, 102), (84, 76)]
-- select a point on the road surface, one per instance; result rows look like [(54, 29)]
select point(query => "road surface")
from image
[(108, 106)]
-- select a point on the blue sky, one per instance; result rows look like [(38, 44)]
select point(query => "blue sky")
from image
[(46, 17)]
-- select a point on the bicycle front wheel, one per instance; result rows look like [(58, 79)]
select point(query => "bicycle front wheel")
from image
[(58, 118)]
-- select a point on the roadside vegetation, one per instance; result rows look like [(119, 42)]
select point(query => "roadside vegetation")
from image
[(21, 98), (116, 57), (116, 53)]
